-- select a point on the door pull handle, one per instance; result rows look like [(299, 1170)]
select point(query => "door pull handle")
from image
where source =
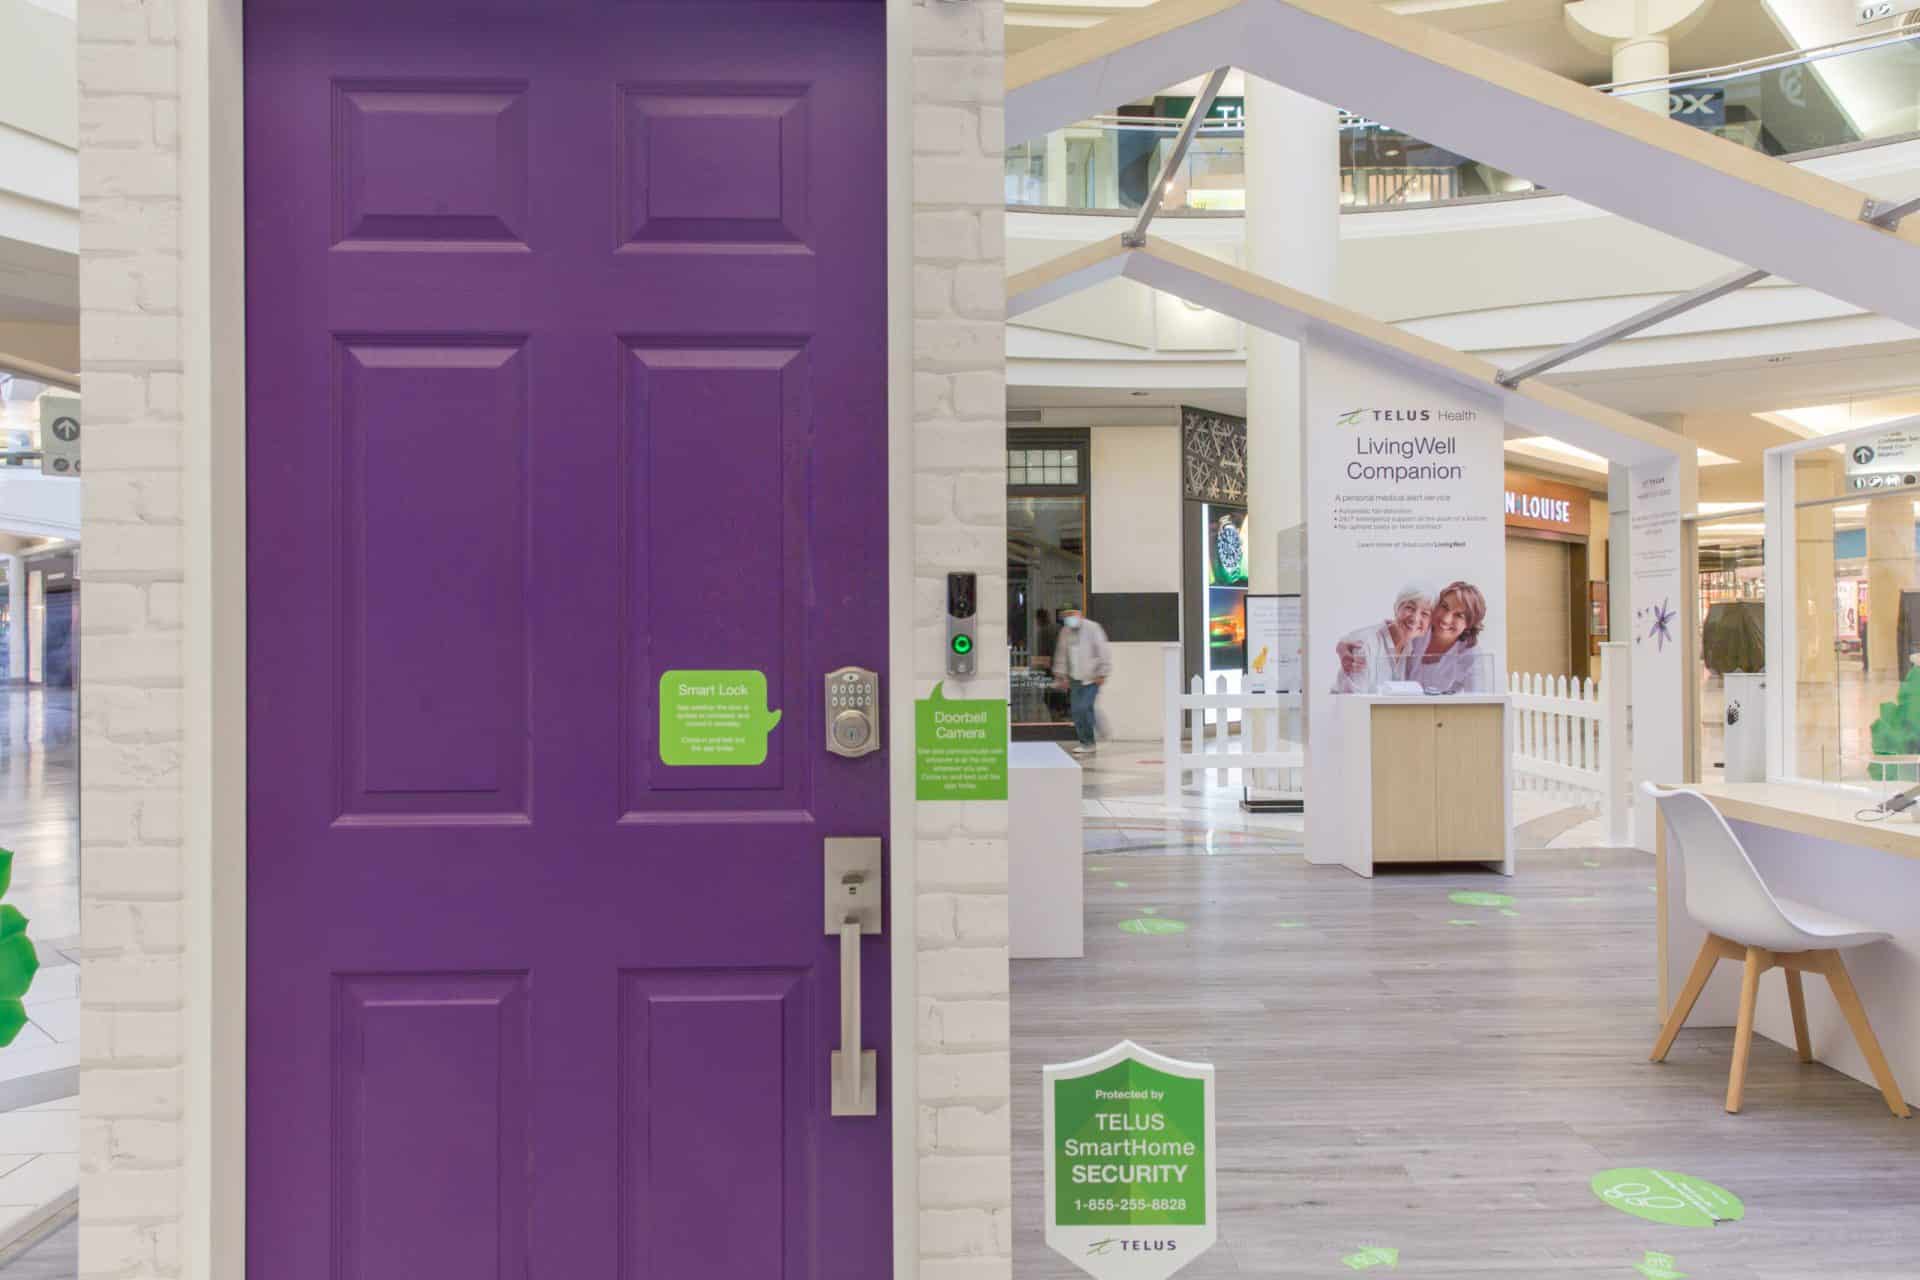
[(853, 908)]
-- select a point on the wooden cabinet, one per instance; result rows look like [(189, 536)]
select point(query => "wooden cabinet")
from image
[(1439, 778)]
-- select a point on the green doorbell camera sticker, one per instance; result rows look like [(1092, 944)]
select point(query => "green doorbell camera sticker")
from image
[(1674, 1199)]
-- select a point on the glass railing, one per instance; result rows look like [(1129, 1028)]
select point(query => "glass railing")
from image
[(1859, 91)]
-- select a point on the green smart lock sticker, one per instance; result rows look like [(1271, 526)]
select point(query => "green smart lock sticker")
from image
[(1673, 1199), (714, 717)]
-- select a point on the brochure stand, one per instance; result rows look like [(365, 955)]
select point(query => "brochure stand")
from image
[(1273, 665)]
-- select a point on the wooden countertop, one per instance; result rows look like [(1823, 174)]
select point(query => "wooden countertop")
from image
[(1825, 813)]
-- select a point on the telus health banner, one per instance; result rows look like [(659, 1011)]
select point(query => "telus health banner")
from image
[(1406, 543)]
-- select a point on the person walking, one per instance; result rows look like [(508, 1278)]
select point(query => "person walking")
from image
[(1081, 665)]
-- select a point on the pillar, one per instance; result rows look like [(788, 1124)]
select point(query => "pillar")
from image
[(1056, 170), (16, 619), (1891, 568), (1816, 705), (1638, 34), (1293, 238)]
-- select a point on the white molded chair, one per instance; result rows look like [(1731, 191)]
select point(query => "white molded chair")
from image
[(1746, 922)]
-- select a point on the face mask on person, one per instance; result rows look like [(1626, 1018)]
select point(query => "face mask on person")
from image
[(1071, 622)]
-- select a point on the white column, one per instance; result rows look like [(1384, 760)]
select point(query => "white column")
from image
[(1057, 169), (1639, 35), (16, 618), (1293, 237)]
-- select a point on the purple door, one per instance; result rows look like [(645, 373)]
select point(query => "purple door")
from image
[(566, 343)]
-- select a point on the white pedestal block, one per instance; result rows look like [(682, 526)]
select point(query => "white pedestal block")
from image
[(1046, 857)]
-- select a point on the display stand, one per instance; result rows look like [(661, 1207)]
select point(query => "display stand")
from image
[(1273, 665)]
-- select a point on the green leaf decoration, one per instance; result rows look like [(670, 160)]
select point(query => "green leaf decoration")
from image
[(1897, 731), (19, 962), (13, 1017)]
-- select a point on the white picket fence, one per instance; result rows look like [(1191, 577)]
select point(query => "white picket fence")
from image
[(1266, 753), (1569, 736)]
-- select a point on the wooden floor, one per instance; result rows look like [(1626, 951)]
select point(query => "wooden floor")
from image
[(1389, 1077)]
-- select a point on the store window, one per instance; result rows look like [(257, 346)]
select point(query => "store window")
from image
[(1047, 521)]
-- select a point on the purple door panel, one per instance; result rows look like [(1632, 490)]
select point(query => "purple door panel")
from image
[(566, 366)]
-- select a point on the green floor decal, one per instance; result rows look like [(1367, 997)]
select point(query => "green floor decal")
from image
[(1464, 924), (1469, 898), (1675, 1199), (1373, 1255), (1660, 1266), (1153, 925), (1292, 924)]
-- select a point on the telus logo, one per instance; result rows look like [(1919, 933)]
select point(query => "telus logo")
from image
[(1352, 417), (1133, 1246)]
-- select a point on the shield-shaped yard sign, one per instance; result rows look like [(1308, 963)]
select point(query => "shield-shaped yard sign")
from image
[(1130, 1183)]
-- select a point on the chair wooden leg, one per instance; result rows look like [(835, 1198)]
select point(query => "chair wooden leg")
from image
[(1797, 1002), (1756, 964), (1689, 996), (1856, 1015)]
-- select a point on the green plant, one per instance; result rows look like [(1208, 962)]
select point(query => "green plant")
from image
[(19, 962), (1897, 730)]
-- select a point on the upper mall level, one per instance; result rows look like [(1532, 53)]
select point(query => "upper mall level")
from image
[(1482, 260)]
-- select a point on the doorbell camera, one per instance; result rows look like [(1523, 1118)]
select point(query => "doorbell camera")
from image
[(962, 606)]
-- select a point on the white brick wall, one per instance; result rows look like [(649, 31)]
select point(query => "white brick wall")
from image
[(133, 992), (960, 522), (134, 1036)]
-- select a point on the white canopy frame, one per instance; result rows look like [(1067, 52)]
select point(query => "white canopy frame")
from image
[(1524, 119)]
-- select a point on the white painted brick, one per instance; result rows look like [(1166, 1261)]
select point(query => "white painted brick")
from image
[(151, 982), (974, 1130), (944, 235), (132, 1194), (964, 971), (130, 68), (112, 607), (962, 863), (163, 604), (980, 393), (973, 1024), (976, 497), (981, 918), (112, 122), (118, 339), (130, 1091), (960, 1181), (108, 926), (944, 130), (980, 291), (145, 1037), (963, 1077), (984, 1268), (163, 393), (970, 81), (945, 1232), (127, 226), (152, 1143), (137, 872), (933, 291), (112, 21), (954, 343), (134, 173), (936, 919), (149, 548), (958, 179)]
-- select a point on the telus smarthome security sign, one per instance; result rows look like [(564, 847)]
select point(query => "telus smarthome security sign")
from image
[(1130, 1184)]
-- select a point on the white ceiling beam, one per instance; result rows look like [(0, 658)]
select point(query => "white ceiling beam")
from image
[(1536, 408), (1499, 111)]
